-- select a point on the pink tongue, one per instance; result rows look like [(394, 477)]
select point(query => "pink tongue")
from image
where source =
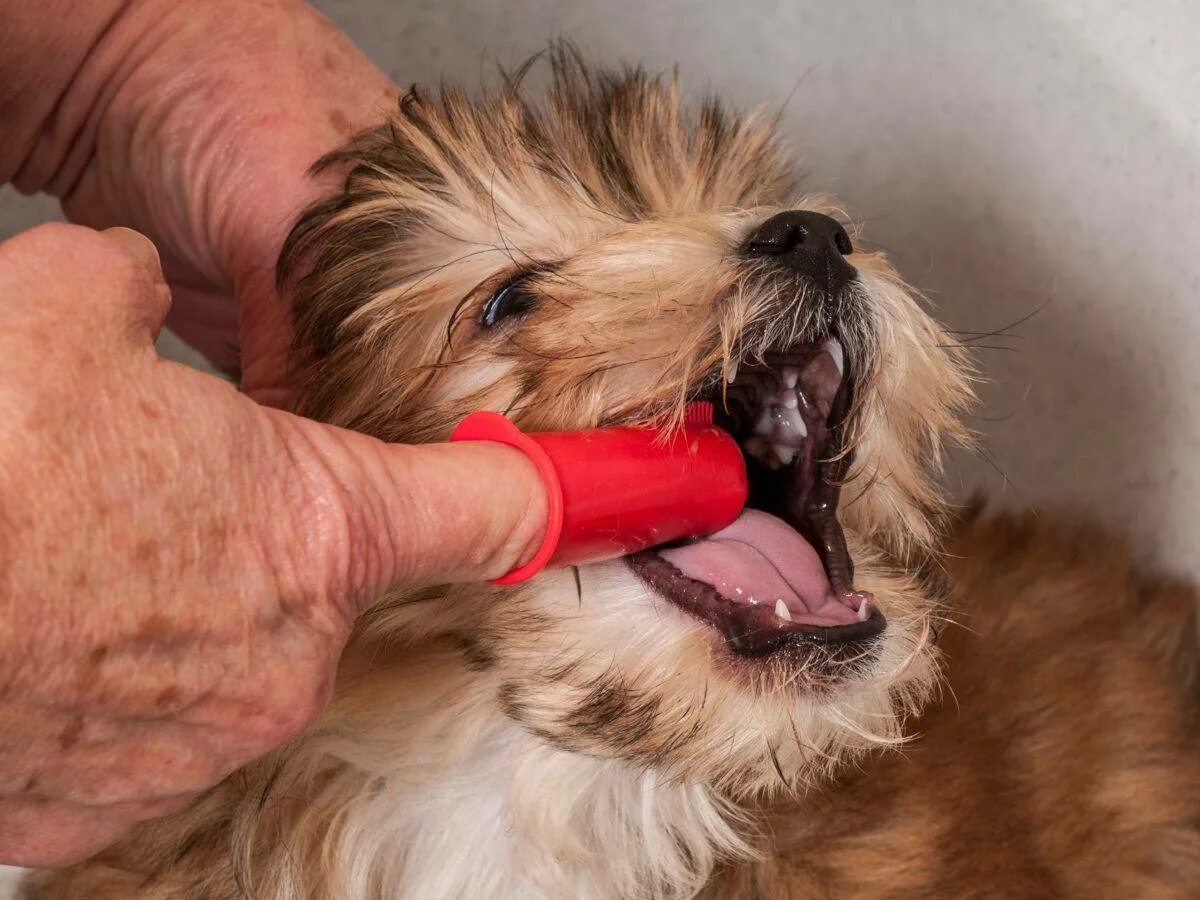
[(760, 559)]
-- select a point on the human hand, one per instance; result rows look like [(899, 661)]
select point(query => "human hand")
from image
[(196, 123), (180, 566)]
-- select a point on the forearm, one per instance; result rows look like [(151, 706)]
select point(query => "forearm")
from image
[(55, 59)]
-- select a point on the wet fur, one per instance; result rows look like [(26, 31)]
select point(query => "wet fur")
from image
[(580, 737)]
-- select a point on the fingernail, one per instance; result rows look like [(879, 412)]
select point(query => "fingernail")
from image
[(136, 243)]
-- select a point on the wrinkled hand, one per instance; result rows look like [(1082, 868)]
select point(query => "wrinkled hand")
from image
[(179, 566), (196, 123)]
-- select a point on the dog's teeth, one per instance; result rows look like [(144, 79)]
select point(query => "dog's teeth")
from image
[(834, 348), (765, 425), (731, 374), (784, 454), (782, 611), (791, 376), (791, 420), (863, 612), (789, 400)]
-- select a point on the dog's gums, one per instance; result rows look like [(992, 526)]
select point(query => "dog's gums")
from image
[(780, 576)]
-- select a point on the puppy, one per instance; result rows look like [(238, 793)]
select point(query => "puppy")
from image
[(719, 718)]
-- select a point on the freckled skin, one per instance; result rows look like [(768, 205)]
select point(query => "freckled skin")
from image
[(69, 736), (339, 121), (153, 650), (134, 564), (167, 615), (178, 565)]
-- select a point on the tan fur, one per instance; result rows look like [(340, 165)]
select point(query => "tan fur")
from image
[(579, 736)]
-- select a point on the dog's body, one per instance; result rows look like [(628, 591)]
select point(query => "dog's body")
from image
[(635, 729)]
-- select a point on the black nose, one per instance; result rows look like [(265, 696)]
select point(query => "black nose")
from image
[(808, 243)]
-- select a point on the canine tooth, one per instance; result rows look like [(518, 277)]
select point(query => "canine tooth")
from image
[(789, 400), (790, 419), (782, 611), (790, 377), (834, 348), (784, 453), (731, 374), (863, 612)]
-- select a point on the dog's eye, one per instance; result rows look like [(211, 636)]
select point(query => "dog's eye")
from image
[(513, 299)]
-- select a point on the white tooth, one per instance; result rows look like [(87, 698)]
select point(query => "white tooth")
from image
[(789, 400), (790, 377), (863, 612), (791, 420), (782, 611), (764, 426), (785, 454), (834, 348), (731, 375)]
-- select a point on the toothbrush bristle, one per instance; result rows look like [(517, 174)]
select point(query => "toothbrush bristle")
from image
[(698, 413)]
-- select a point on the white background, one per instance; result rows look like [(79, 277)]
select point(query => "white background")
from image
[(1018, 156)]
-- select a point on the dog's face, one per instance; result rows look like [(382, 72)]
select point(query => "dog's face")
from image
[(606, 258)]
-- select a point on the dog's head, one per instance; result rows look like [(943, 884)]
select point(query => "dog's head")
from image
[(605, 257)]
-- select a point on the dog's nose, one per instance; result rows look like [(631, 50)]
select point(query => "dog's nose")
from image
[(808, 243)]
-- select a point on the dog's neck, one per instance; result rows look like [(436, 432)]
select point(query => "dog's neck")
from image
[(443, 796)]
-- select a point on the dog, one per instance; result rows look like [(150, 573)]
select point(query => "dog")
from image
[(801, 707)]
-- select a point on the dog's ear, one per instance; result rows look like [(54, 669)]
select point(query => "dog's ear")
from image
[(344, 251)]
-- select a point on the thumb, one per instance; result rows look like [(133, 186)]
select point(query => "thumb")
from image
[(409, 515)]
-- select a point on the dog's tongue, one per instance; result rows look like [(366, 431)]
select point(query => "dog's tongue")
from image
[(761, 560)]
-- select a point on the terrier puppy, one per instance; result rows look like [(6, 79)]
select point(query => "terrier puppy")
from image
[(718, 718)]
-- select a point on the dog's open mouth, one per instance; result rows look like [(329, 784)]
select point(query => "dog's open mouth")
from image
[(780, 575)]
